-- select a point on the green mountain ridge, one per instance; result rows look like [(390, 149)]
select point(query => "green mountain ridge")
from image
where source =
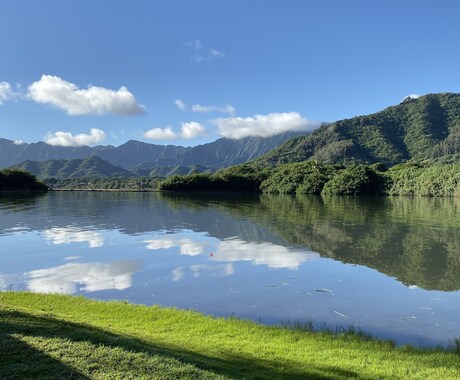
[(421, 128)]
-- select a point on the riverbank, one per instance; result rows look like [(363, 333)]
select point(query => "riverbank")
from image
[(57, 336)]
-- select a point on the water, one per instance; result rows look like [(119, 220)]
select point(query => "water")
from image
[(388, 266)]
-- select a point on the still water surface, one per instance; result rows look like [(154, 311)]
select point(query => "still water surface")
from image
[(389, 266)]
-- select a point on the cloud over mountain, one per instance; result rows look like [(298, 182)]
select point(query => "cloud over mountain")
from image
[(263, 125), (67, 139), (188, 131)]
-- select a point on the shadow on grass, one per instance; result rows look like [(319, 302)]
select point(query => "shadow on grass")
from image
[(17, 355)]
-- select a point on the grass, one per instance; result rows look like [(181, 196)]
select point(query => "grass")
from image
[(65, 337)]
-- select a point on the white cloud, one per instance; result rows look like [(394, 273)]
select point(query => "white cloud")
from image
[(67, 235), (188, 131), (18, 142), (160, 134), (228, 108), (409, 97), (67, 139), (180, 104), (6, 93), (91, 101), (91, 276), (263, 125), (216, 54), (192, 129)]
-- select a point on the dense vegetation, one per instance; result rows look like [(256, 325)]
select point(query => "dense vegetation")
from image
[(55, 336), (106, 183), (18, 180), (423, 128), (221, 181), (312, 177)]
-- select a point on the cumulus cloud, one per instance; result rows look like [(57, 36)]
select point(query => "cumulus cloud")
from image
[(91, 101), (263, 125), (188, 131), (160, 134), (191, 130), (180, 104), (67, 139), (18, 142), (6, 92), (228, 108)]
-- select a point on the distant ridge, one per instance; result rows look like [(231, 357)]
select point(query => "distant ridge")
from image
[(92, 166), (220, 153)]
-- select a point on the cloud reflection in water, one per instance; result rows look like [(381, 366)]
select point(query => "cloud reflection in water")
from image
[(229, 251), (90, 276), (272, 255), (66, 235)]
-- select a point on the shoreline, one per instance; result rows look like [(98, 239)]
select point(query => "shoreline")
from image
[(139, 341)]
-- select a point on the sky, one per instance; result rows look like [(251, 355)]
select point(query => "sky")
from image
[(93, 72)]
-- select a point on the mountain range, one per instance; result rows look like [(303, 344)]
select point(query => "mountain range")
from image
[(419, 128), (137, 157)]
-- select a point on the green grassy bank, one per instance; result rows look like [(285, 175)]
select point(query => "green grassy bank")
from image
[(55, 336)]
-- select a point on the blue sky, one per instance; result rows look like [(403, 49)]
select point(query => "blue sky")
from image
[(188, 72)]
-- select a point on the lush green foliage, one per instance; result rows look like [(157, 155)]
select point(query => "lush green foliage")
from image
[(308, 177), (416, 179), (107, 183), (423, 128), (51, 336), (354, 180), (14, 180), (312, 177), (242, 178), (305, 178)]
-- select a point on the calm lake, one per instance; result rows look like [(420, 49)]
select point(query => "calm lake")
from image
[(389, 266)]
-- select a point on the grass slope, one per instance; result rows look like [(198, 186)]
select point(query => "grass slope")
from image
[(55, 336)]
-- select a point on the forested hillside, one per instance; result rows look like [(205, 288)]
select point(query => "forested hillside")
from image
[(421, 128), (17, 180)]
